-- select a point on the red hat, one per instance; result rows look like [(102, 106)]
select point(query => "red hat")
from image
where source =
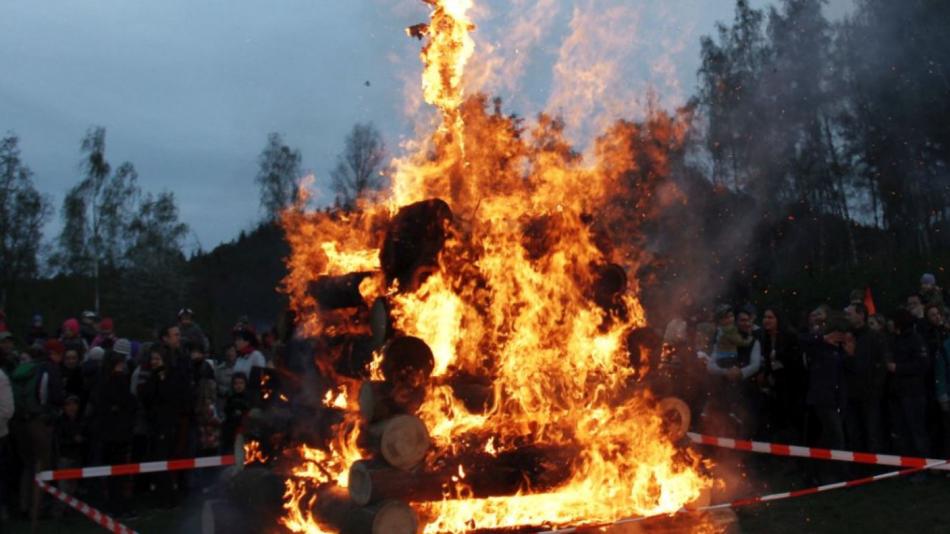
[(55, 346), (71, 325), (105, 324)]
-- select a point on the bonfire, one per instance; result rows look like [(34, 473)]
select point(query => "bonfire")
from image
[(474, 323)]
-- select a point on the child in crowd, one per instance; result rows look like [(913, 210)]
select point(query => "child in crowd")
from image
[(728, 339), (235, 408)]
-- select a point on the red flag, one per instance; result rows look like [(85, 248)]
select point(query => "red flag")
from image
[(869, 302)]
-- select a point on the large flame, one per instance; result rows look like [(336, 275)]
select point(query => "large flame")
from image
[(511, 301)]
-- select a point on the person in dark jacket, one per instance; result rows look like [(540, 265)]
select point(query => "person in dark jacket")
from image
[(908, 386), (825, 355), (163, 395), (113, 416), (783, 370), (71, 437), (865, 374)]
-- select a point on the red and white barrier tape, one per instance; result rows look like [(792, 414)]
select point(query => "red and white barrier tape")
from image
[(135, 469), (937, 464), (98, 517), (816, 453)]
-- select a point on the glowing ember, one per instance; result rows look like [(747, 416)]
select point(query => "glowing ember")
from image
[(253, 453), (514, 301)]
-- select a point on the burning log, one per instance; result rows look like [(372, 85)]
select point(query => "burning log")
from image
[(381, 400), (380, 322), (413, 240), (482, 475), (476, 392), (390, 517), (373, 481), (402, 440), (356, 353), (335, 292)]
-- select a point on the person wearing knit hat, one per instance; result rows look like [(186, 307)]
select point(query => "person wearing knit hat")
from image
[(930, 293), (55, 349), (71, 338), (106, 334), (123, 346)]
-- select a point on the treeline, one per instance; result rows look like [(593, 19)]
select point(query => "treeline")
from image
[(817, 156), (814, 163), (122, 250)]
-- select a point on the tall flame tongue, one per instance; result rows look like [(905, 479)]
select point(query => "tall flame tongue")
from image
[(511, 302)]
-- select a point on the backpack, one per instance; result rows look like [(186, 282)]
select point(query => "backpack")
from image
[(26, 399)]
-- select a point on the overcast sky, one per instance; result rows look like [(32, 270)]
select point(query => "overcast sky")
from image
[(188, 90)]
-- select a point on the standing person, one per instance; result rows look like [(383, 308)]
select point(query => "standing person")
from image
[(782, 357), (223, 371), (736, 357), (37, 334), (113, 416), (190, 330), (71, 435), (162, 396), (37, 393), (908, 386), (235, 408), (71, 338), (8, 355), (105, 334), (88, 328), (942, 387), (248, 357), (825, 355), (930, 293), (866, 375), (6, 414), (72, 376)]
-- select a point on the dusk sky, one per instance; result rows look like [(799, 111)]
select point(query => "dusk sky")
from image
[(188, 91)]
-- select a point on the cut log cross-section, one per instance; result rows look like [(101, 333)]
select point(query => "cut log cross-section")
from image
[(402, 440)]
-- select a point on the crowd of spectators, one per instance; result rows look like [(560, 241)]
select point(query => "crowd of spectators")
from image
[(847, 378), (87, 396)]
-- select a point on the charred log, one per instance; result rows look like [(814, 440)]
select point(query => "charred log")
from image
[(414, 239), (382, 400), (407, 360), (389, 517), (335, 292), (355, 355)]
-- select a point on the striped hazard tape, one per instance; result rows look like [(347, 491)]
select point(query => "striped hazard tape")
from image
[(95, 515), (135, 469), (816, 453)]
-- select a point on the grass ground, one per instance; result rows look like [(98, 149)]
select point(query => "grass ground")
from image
[(897, 505)]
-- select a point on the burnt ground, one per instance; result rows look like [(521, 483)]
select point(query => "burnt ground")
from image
[(898, 505)]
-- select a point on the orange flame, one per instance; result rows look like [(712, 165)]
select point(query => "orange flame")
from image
[(512, 301)]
